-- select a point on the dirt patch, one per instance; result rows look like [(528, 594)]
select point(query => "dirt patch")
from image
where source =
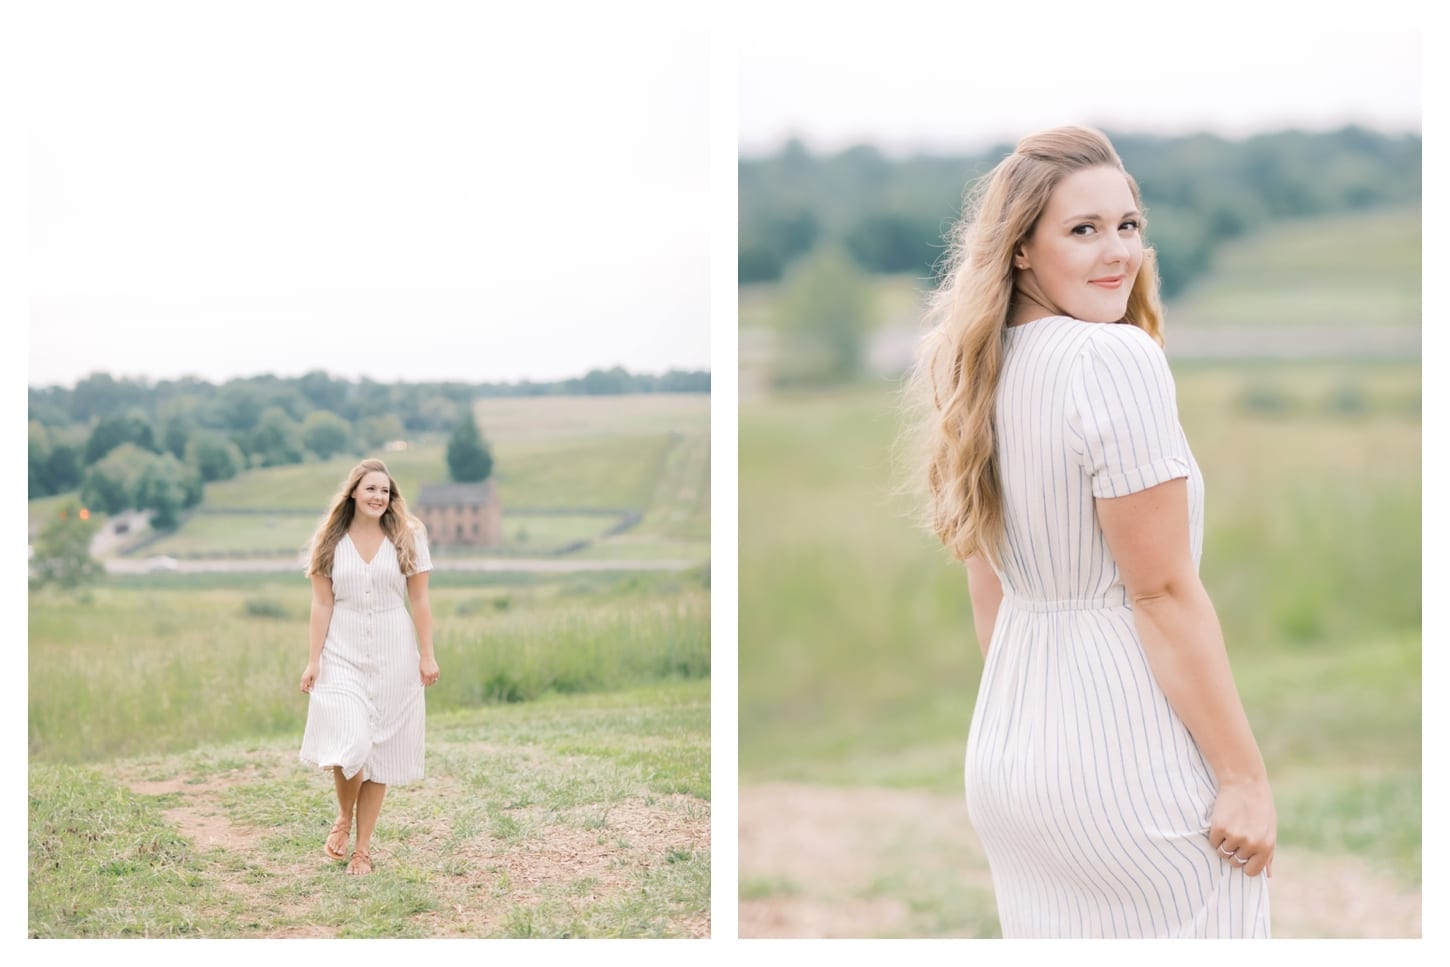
[(813, 860), (201, 817)]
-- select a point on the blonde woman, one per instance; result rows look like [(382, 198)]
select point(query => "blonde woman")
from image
[(368, 661), (1111, 773)]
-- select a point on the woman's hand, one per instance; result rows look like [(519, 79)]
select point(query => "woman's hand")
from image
[(1244, 823), (309, 677), (427, 671)]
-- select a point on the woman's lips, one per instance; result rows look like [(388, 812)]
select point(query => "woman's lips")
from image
[(1109, 283)]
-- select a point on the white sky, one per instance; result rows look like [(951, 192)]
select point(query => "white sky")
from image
[(907, 84), (408, 193)]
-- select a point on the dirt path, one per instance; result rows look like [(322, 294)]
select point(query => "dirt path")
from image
[(479, 880), (824, 862)]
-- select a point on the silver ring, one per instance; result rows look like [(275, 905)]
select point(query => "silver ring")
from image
[(1239, 859), (1226, 852)]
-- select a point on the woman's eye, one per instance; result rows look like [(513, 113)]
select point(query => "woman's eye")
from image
[(1083, 229), (1130, 225)]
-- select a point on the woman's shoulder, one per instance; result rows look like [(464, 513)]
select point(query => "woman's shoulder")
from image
[(1121, 342)]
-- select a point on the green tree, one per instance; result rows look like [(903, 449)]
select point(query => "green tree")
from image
[(62, 552), (377, 430), (165, 487), (109, 485), (326, 433), (277, 440), (214, 456), (39, 461), (112, 431), (469, 458), (824, 316)]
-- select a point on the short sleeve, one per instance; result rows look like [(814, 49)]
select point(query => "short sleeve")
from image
[(1123, 413), (423, 560)]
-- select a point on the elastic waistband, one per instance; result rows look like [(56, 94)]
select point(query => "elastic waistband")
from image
[(1103, 603)]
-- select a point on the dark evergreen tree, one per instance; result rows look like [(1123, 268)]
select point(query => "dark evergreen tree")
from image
[(469, 458)]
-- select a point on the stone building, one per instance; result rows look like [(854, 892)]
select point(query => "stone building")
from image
[(460, 515)]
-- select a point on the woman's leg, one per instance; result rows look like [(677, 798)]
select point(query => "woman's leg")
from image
[(347, 791), (369, 805)]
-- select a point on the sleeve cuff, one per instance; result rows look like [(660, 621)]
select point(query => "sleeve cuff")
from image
[(1139, 478)]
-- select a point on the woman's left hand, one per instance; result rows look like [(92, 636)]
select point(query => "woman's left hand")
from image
[(428, 671)]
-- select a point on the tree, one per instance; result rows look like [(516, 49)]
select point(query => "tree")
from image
[(824, 316), (277, 440), (165, 487), (469, 458), (214, 456), (326, 433), (39, 460), (63, 552), (110, 484), (112, 431), (377, 430)]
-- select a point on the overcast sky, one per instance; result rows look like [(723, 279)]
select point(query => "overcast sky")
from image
[(224, 190), (910, 84)]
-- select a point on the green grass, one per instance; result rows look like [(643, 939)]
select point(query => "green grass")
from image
[(855, 628), (279, 535), (554, 818), (162, 666), (1354, 269)]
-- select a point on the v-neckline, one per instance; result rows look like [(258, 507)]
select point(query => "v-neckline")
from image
[(358, 550)]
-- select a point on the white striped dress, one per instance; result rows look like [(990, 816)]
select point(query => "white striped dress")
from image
[(366, 709), (1087, 791)]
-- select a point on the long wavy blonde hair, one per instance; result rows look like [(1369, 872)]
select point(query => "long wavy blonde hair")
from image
[(399, 526), (954, 385)]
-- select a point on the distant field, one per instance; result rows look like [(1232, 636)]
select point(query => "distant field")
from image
[(1344, 270), (645, 454), (537, 418)]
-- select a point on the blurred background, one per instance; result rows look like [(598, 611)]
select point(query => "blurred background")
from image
[(1282, 178)]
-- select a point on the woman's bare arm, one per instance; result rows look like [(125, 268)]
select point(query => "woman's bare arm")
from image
[(423, 623), (1148, 535), (321, 618), (986, 592)]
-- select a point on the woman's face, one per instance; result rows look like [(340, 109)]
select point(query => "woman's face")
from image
[(373, 494), (1085, 250)]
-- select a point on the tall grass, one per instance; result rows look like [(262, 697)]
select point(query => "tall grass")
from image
[(166, 668)]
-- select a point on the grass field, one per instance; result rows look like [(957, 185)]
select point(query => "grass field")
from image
[(568, 750), (585, 817), (1355, 269), (855, 629)]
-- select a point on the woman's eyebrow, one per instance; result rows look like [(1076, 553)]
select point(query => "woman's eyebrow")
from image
[(1094, 217)]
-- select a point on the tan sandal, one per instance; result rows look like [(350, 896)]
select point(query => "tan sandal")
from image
[(340, 828), (360, 859)]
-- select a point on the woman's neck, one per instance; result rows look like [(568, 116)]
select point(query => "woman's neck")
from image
[(1026, 308), (371, 526)]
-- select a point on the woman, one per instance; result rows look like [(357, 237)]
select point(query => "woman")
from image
[(1111, 772), (368, 662)]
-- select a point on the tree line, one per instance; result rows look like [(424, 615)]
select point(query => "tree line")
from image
[(133, 443), (891, 215)]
